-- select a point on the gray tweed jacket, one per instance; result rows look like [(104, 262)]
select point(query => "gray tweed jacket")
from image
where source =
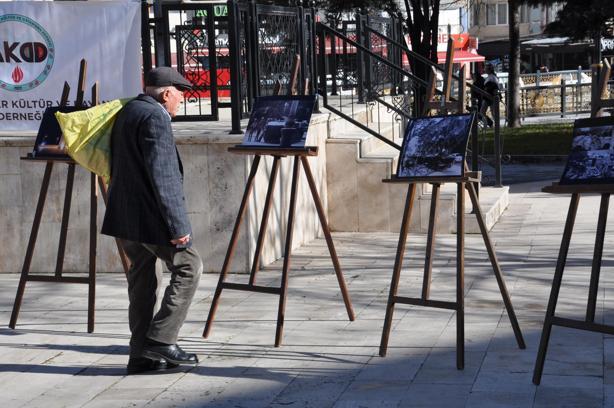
[(146, 199)]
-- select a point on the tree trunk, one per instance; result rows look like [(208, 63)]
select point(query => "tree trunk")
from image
[(513, 84), (422, 24)]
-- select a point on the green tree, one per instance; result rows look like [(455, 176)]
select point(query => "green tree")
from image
[(334, 9), (422, 25), (367, 6), (578, 19), (513, 79), (581, 19), (513, 84), (340, 6)]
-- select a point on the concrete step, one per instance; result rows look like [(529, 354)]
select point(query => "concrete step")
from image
[(358, 201), (368, 143), (357, 198), (383, 151), (493, 201)]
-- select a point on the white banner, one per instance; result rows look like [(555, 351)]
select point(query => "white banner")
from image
[(42, 44)]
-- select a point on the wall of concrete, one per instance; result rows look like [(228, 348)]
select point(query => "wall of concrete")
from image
[(214, 184)]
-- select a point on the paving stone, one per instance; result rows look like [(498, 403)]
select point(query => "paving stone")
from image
[(608, 393), (477, 336), (502, 381), (574, 361), (75, 391), (300, 392), (402, 366), (326, 360), (374, 390), (436, 395), (440, 367), (367, 403), (575, 397), (500, 399)]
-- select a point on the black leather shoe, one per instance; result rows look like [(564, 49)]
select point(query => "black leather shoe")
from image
[(171, 353), (138, 365)]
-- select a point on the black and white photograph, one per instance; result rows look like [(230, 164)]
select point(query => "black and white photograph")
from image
[(279, 121), (435, 146), (49, 140), (591, 159)]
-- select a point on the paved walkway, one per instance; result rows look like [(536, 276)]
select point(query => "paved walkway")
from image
[(326, 361), (514, 173)]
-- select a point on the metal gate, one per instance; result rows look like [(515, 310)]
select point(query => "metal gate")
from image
[(196, 43)]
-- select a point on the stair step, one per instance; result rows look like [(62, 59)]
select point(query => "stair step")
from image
[(367, 142), (358, 200), (493, 201)]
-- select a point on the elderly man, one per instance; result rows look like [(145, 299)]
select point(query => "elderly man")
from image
[(146, 210)]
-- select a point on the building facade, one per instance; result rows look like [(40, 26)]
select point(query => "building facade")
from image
[(489, 22)]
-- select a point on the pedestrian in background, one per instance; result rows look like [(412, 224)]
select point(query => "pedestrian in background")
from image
[(491, 86), (478, 98)]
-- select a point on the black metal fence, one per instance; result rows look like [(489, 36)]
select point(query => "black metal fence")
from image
[(194, 39), (235, 51), (254, 45), (269, 39), (218, 45), (360, 81), (368, 63)]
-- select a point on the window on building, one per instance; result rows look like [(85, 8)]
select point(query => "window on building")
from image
[(491, 14), (475, 15), (496, 14), (501, 13), (524, 13), (535, 14)]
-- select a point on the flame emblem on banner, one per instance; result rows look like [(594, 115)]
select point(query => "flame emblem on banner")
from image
[(17, 75), (28, 65)]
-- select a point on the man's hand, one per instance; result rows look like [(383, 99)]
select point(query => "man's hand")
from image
[(181, 241)]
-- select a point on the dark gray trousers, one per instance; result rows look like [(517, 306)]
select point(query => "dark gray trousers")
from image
[(185, 266)]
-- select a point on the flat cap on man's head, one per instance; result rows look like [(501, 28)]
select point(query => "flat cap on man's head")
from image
[(167, 76)]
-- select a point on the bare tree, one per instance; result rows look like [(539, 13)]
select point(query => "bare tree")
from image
[(513, 90), (513, 79), (422, 20)]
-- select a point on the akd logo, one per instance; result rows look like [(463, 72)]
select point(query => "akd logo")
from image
[(26, 53)]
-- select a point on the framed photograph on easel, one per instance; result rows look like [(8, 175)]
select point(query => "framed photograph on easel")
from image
[(589, 170), (49, 140), (433, 152), (279, 121), (591, 159), (435, 146), (277, 128)]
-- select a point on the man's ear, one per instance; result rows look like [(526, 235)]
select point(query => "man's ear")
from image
[(164, 95)]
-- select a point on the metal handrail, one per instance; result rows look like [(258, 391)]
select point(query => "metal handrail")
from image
[(321, 26), (428, 62), (493, 100)]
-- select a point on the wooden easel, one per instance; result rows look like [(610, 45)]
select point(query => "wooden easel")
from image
[(597, 103), (599, 85), (462, 183), (589, 322), (446, 104), (293, 83), (470, 182), (300, 157), (95, 182)]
